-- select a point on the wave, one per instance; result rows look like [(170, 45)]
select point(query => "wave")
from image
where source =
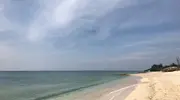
[(64, 92)]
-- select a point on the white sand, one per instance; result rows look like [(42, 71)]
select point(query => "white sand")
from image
[(157, 86)]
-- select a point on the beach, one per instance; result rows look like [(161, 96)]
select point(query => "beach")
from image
[(152, 86), (157, 86)]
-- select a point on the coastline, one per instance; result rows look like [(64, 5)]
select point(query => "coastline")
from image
[(151, 86), (157, 86), (63, 85), (109, 91)]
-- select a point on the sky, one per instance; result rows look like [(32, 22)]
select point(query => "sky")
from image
[(88, 34)]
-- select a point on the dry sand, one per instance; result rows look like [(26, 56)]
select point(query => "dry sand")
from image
[(157, 86)]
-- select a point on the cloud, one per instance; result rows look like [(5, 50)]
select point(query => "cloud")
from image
[(66, 16), (5, 23), (55, 15), (95, 33)]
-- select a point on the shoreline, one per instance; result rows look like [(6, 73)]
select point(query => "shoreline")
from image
[(109, 91), (148, 86), (122, 92)]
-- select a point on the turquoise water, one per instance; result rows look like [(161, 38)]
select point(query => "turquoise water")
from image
[(47, 85)]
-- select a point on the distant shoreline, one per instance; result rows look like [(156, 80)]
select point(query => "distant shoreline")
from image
[(68, 71)]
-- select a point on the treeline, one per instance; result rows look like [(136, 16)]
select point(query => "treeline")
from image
[(166, 68)]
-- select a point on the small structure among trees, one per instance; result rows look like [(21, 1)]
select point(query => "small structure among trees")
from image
[(166, 68)]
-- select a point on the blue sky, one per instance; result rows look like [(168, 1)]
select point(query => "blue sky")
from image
[(88, 34)]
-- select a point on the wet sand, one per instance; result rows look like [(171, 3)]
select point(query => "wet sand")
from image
[(117, 90)]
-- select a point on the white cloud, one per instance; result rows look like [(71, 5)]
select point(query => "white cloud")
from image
[(53, 16), (61, 18), (65, 15), (64, 12)]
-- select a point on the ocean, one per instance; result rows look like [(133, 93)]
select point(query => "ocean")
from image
[(48, 85)]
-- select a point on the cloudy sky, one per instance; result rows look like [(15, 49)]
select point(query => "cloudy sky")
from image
[(88, 34)]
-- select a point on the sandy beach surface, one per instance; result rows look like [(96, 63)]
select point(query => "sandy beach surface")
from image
[(157, 86)]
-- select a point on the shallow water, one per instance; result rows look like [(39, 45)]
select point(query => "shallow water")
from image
[(100, 92), (47, 85)]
